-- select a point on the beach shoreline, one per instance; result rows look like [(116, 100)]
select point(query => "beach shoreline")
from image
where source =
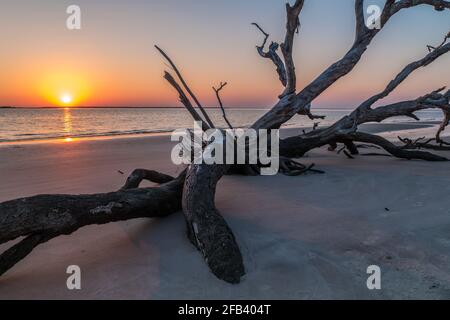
[(307, 237), (376, 128)]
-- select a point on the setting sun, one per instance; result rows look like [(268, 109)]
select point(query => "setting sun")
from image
[(66, 99), (63, 88)]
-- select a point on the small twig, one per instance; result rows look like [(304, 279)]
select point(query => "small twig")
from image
[(340, 150), (316, 124), (348, 154), (266, 35), (431, 48), (217, 91), (373, 154)]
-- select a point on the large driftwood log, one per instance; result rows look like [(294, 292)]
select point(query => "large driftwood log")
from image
[(207, 229), (41, 218), (44, 217)]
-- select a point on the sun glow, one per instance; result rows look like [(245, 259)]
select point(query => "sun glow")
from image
[(66, 88), (66, 99)]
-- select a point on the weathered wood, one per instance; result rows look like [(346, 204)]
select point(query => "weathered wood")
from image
[(44, 217), (199, 105), (41, 218), (292, 26), (224, 114), (364, 113), (290, 105), (396, 151), (138, 175), (206, 227), (272, 54)]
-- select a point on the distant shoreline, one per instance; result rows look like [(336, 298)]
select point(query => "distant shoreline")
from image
[(178, 107), (122, 107)]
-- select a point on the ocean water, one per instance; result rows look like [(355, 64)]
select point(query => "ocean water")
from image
[(22, 124)]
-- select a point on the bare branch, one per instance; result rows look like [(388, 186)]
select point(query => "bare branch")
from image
[(138, 175), (429, 58), (272, 55), (17, 252), (307, 112), (266, 36), (391, 148), (217, 91), (185, 101), (431, 48), (205, 114), (286, 108), (439, 5), (41, 218), (443, 125), (361, 27), (292, 26)]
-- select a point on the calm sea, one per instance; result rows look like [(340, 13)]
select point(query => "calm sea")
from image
[(20, 124)]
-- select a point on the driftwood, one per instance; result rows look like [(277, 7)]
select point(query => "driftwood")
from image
[(38, 219), (44, 217)]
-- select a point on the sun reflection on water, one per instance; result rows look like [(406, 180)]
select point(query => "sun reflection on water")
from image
[(67, 123)]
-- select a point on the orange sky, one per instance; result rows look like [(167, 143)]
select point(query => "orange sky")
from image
[(112, 62)]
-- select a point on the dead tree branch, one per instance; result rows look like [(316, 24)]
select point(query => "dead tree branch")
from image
[(217, 91), (139, 175), (431, 48), (292, 26), (396, 151), (186, 87), (44, 217), (287, 107), (185, 101), (272, 54)]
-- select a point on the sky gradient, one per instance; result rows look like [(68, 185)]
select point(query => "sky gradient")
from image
[(112, 61)]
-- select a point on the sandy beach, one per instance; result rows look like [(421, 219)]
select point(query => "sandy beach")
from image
[(306, 237)]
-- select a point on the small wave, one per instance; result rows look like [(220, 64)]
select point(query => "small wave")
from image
[(27, 134), (37, 137)]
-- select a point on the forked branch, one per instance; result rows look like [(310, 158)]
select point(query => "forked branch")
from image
[(217, 91), (186, 87), (272, 54)]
